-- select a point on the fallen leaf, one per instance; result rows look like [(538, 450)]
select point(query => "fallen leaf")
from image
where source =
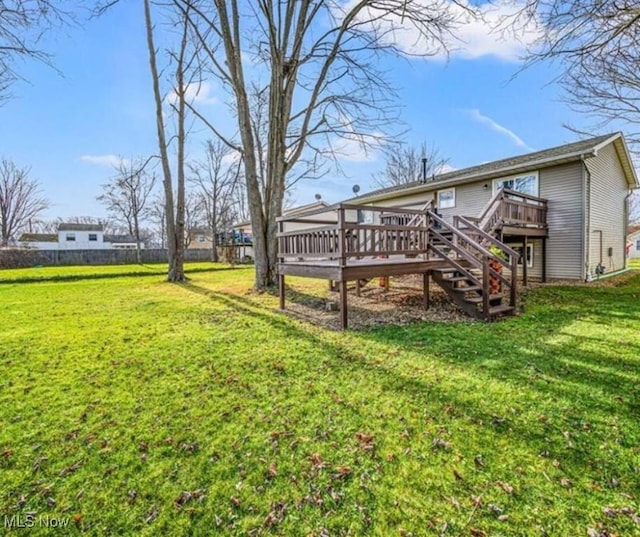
[(477, 533), (70, 469), (506, 487), (273, 470), (457, 475)]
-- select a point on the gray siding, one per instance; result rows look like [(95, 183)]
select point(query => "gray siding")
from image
[(534, 272), (562, 187), (470, 200), (607, 192)]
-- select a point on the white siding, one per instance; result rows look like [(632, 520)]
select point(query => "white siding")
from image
[(608, 189)]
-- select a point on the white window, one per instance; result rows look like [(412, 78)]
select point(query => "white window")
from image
[(446, 198), (93, 237), (200, 238), (518, 248), (526, 183), (71, 237)]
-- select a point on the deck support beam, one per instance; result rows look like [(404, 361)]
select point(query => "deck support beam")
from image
[(426, 278), (343, 305), (281, 290), (525, 260), (544, 260)]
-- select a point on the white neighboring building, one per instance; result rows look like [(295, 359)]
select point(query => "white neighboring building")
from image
[(81, 237), (78, 237), (633, 243)]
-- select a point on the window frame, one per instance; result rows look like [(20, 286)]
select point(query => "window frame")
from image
[(453, 198), (70, 237), (530, 250), (93, 237), (534, 174)]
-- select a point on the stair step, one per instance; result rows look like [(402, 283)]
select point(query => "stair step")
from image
[(444, 270), (466, 289), (456, 279), (502, 308), (478, 299)]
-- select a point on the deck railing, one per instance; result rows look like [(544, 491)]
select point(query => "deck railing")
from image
[(514, 209), (392, 231)]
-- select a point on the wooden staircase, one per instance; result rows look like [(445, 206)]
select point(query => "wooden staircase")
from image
[(476, 262)]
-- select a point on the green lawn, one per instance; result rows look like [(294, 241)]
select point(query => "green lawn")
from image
[(136, 407)]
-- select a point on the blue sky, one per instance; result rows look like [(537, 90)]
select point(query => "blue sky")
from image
[(70, 126)]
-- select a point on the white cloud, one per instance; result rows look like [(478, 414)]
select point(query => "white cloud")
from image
[(472, 38), (111, 161), (495, 126), (197, 93)]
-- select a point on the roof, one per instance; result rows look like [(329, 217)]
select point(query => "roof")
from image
[(38, 237), (80, 227), (633, 230), (530, 161), (120, 239), (319, 204)]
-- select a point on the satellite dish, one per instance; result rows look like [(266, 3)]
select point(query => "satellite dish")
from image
[(318, 197), (356, 189)]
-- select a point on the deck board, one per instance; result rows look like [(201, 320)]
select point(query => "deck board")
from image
[(356, 269)]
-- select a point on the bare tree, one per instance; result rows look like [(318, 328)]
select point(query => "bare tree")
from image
[(409, 164), (127, 197), (184, 74), (597, 43), (322, 80), (194, 217), (216, 181), (20, 201), (22, 26), (157, 216)]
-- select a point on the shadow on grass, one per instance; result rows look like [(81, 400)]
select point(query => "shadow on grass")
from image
[(153, 271), (584, 382)]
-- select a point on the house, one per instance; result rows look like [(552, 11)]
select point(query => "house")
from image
[(122, 242), (585, 185), (73, 236), (633, 242), (558, 213), (199, 238)]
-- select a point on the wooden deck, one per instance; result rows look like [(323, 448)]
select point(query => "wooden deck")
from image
[(341, 244)]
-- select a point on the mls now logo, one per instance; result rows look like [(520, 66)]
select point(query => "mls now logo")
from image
[(31, 521)]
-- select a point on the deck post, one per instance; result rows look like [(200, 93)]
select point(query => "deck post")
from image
[(281, 290), (343, 306), (544, 260), (485, 287), (525, 260), (342, 251), (426, 277), (357, 287)]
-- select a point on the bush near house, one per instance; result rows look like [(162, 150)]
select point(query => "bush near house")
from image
[(130, 406)]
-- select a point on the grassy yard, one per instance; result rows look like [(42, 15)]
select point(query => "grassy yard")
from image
[(131, 406)]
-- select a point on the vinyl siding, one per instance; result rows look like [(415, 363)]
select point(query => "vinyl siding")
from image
[(608, 189), (562, 187), (534, 272), (470, 200)]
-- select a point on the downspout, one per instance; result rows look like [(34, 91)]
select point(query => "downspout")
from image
[(586, 244), (626, 217)]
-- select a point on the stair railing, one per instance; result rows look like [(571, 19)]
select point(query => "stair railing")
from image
[(478, 256), (506, 252)]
